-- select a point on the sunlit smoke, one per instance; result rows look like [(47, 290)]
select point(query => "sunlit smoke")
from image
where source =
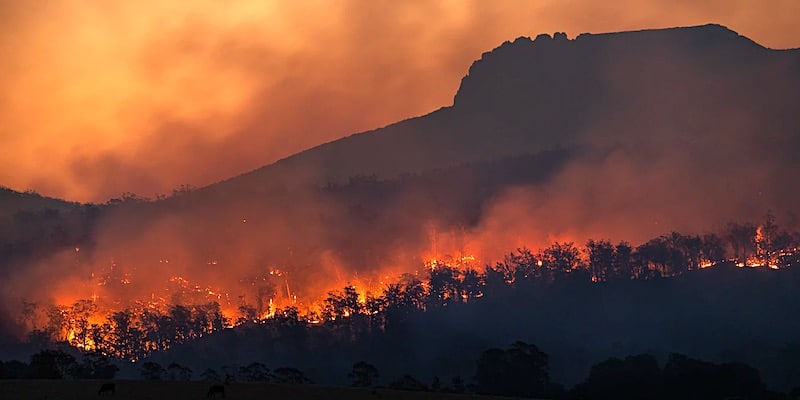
[(103, 98)]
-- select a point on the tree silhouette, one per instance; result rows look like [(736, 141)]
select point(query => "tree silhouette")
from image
[(96, 366), (177, 372), (341, 304), (742, 240), (288, 375), (712, 248), (414, 292), (521, 265), (444, 285), (635, 377), (254, 372), (472, 284), (52, 364), (688, 378), (521, 370), (601, 259), (79, 321), (622, 267), (247, 314), (152, 371), (560, 259), (15, 369), (363, 374)]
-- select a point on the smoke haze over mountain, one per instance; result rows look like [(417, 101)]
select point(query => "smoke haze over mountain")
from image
[(621, 136), (103, 98)]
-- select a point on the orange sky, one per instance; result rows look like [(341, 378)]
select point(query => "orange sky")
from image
[(102, 97)]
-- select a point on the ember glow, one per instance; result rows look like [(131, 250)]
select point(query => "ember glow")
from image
[(107, 311), (178, 95)]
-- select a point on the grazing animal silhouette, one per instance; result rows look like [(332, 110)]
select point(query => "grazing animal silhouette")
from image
[(213, 390), (107, 388)]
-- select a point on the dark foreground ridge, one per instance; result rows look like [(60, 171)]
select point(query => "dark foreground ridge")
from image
[(176, 390)]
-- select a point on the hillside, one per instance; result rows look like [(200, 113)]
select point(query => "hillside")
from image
[(721, 314), (620, 136), (680, 129), (629, 135), (529, 95), (12, 202)]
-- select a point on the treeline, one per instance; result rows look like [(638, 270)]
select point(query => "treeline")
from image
[(58, 364), (521, 370), (136, 332), (132, 333), (252, 372)]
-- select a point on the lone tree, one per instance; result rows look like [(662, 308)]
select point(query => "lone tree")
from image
[(179, 372), (254, 372), (363, 374), (52, 364), (520, 371), (635, 377), (288, 375), (152, 371)]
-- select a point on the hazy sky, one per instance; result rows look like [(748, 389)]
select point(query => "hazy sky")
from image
[(102, 97)]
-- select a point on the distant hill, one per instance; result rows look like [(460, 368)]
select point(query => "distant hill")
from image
[(622, 136), (528, 96), (629, 134), (33, 226), (678, 129), (12, 202)]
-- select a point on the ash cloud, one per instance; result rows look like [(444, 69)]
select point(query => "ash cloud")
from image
[(105, 98), (666, 141)]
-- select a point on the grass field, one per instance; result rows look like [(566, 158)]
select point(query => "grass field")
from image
[(150, 390)]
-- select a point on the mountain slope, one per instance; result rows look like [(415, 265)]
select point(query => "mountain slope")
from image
[(12, 202), (624, 136), (532, 95)]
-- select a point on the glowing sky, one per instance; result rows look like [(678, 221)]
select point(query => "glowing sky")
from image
[(103, 97)]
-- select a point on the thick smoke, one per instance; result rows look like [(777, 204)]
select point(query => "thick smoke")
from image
[(636, 166), (101, 99)]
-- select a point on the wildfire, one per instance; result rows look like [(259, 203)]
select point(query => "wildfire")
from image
[(463, 262), (192, 307)]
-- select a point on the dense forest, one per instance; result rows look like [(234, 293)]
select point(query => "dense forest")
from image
[(136, 332), (327, 266), (441, 288)]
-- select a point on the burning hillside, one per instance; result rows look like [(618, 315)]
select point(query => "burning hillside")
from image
[(105, 310), (549, 143)]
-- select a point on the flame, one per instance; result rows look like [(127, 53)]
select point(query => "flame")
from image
[(267, 295)]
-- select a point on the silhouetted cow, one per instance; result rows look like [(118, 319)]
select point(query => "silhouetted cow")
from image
[(107, 388), (213, 390)]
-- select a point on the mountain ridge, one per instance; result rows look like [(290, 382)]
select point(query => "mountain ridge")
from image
[(457, 133), (502, 109)]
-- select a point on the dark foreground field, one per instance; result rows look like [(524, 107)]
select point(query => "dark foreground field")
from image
[(156, 390)]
